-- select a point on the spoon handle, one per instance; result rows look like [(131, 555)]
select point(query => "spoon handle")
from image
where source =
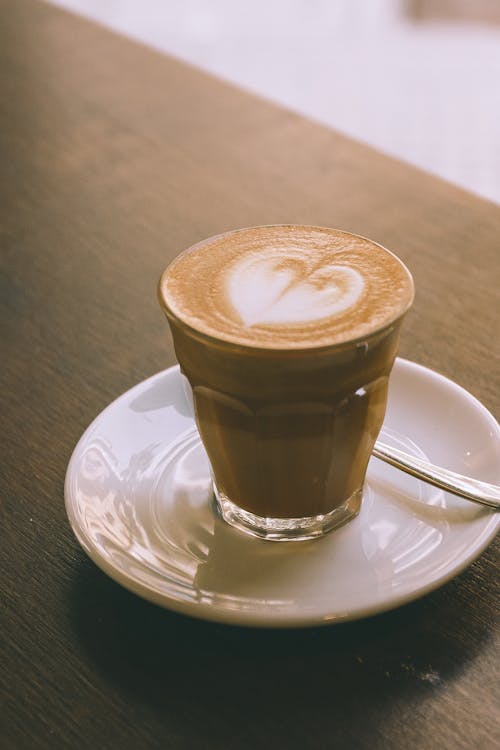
[(471, 489)]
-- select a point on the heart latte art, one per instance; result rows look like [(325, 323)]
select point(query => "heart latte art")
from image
[(269, 290), (286, 287)]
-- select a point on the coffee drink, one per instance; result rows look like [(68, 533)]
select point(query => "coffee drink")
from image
[(287, 335)]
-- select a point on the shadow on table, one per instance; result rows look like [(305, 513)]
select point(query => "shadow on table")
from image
[(169, 663)]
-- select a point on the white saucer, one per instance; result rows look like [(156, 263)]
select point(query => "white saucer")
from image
[(138, 497)]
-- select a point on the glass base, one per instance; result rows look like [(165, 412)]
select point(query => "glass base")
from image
[(286, 529)]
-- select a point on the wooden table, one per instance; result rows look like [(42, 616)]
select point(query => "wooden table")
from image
[(113, 159)]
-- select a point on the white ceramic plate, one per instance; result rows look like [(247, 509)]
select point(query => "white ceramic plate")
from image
[(138, 499)]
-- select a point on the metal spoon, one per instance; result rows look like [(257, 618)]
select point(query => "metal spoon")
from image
[(471, 489)]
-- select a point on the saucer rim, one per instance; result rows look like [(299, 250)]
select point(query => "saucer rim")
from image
[(260, 618)]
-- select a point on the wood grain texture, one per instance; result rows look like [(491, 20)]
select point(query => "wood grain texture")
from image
[(113, 159)]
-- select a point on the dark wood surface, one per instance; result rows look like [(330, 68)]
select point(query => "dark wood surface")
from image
[(113, 159)]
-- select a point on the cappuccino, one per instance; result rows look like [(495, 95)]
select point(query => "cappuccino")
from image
[(287, 335)]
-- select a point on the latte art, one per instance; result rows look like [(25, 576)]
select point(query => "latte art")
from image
[(286, 287), (265, 289)]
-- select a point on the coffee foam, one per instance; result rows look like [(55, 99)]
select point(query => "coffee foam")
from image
[(286, 287)]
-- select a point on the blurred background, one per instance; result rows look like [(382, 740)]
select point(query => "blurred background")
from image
[(416, 79)]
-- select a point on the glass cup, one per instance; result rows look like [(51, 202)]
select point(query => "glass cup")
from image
[(288, 432)]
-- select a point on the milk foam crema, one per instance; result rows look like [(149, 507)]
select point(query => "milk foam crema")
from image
[(286, 287)]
